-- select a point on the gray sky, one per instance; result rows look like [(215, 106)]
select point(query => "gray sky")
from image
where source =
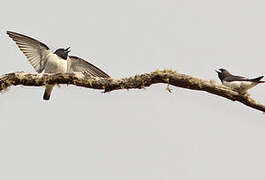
[(138, 134)]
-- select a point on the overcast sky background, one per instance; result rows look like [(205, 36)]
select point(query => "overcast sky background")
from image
[(137, 134)]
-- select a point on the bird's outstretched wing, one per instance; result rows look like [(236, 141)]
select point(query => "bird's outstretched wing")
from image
[(76, 64), (35, 51)]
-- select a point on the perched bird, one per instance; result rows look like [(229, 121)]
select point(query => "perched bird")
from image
[(238, 83), (44, 60)]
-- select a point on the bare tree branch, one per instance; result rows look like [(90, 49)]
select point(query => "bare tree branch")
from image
[(137, 82)]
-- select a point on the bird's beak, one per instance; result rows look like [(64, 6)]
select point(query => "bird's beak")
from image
[(217, 71), (67, 50)]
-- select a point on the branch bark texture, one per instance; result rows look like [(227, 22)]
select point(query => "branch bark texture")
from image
[(137, 82)]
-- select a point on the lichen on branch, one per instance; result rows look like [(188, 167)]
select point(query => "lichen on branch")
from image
[(136, 82)]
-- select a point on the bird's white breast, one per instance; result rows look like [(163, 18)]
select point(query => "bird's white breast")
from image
[(234, 84), (55, 64), (241, 86)]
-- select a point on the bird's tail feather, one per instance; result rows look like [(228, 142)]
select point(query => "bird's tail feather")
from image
[(48, 91), (258, 79)]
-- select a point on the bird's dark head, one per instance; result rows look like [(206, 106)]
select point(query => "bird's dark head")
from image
[(63, 53), (222, 73)]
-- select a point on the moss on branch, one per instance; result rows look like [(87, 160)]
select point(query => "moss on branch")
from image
[(136, 82)]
